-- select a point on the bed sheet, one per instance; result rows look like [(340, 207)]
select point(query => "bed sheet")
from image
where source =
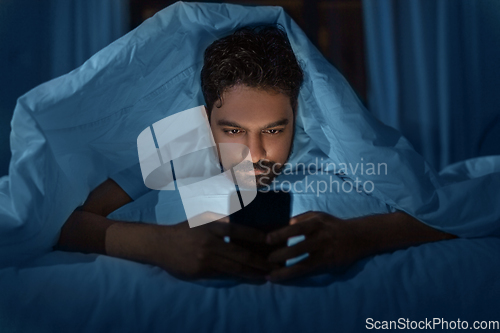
[(72, 292)]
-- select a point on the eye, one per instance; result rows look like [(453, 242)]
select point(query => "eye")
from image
[(274, 131), (232, 131)]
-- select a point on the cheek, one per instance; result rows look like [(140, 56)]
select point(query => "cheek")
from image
[(278, 149), (218, 135), (222, 137)]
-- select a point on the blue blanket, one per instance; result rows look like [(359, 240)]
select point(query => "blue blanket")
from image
[(73, 292)]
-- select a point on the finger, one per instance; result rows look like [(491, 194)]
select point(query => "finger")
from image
[(203, 219), (283, 254), (243, 256), (224, 219), (281, 235), (237, 231), (286, 273), (303, 217), (209, 216), (225, 266)]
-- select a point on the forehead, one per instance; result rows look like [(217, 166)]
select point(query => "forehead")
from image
[(245, 104)]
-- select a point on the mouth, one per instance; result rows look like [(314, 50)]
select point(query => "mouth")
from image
[(255, 172)]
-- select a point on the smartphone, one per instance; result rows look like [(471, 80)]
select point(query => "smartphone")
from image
[(268, 212)]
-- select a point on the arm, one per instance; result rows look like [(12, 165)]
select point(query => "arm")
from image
[(183, 251), (86, 228), (335, 243), (390, 232)]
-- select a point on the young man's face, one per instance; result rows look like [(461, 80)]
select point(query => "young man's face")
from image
[(261, 120)]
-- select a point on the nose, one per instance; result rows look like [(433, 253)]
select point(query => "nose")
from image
[(256, 146)]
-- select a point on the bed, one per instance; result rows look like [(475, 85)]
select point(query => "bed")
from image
[(70, 134)]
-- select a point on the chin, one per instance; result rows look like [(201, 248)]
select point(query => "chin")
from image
[(263, 181), (252, 181)]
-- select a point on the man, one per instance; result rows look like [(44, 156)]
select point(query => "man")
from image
[(250, 81)]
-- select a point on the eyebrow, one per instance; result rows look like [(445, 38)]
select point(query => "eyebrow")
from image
[(281, 122)]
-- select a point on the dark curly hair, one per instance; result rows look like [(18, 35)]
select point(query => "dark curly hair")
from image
[(259, 57)]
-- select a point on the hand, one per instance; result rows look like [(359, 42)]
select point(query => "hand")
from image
[(332, 243), (201, 252)]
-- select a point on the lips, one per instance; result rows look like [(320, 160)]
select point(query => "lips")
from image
[(254, 172)]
